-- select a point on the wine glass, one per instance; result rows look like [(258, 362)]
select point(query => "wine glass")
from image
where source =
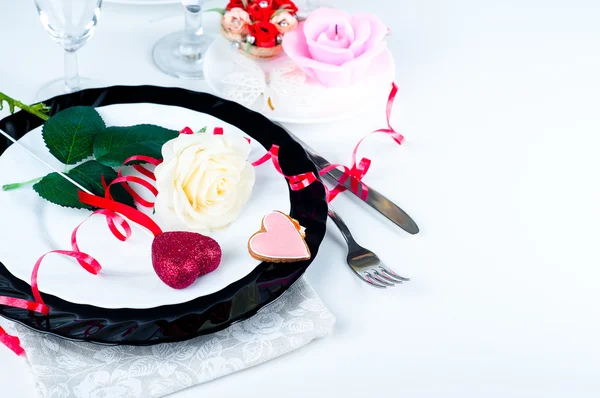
[(181, 54), (70, 23)]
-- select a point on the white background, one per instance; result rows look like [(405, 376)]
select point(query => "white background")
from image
[(500, 105)]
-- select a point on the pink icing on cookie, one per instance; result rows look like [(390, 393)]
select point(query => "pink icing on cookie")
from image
[(282, 240)]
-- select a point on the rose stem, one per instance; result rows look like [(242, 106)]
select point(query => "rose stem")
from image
[(8, 187), (37, 110), (34, 109)]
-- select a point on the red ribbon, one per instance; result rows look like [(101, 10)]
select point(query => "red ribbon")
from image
[(86, 261), (188, 130), (359, 169), (399, 138), (116, 223), (132, 214), (296, 182), (12, 342), (109, 209), (90, 264), (303, 180), (112, 219), (125, 180), (144, 171), (355, 173), (25, 304)]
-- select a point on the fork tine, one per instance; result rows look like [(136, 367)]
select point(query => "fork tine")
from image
[(366, 278), (385, 278), (379, 278), (392, 274)]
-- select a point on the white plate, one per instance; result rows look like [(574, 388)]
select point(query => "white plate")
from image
[(33, 226), (341, 103)]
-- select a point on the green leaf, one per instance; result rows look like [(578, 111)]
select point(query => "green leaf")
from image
[(56, 189), (203, 129), (69, 135), (116, 144), (221, 11), (245, 3)]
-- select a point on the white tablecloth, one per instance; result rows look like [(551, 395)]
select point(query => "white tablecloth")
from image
[(499, 105)]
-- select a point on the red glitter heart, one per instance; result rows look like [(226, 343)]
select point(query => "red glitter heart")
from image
[(179, 258)]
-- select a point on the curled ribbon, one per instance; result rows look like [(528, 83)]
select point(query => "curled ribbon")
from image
[(132, 214), (296, 182), (90, 264), (303, 180), (111, 210), (116, 223), (355, 173), (11, 342), (359, 169), (24, 304), (125, 180)]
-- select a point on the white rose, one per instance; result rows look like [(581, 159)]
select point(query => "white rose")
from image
[(203, 181)]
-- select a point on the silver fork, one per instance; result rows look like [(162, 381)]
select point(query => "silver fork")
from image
[(365, 264)]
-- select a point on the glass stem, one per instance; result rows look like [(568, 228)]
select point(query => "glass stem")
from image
[(71, 70), (190, 45)]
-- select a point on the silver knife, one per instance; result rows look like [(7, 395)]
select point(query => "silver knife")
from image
[(374, 198)]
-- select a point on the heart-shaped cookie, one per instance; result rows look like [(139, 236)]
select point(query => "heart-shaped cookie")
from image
[(179, 258), (279, 240)]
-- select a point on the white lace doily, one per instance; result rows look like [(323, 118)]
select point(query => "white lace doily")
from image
[(279, 80), (66, 369)]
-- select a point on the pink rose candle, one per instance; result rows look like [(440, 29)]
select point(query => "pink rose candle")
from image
[(335, 47)]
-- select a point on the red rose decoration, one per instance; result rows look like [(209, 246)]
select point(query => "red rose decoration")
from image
[(235, 4), (265, 34), (287, 4), (258, 13)]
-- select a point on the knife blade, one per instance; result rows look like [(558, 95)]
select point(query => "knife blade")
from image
[(374, 199)]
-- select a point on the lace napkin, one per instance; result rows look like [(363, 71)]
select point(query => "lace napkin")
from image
[(65, 369)]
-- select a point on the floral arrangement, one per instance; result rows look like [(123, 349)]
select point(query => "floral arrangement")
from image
[(257, 27)]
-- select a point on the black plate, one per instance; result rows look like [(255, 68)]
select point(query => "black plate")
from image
[(206, 314)]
